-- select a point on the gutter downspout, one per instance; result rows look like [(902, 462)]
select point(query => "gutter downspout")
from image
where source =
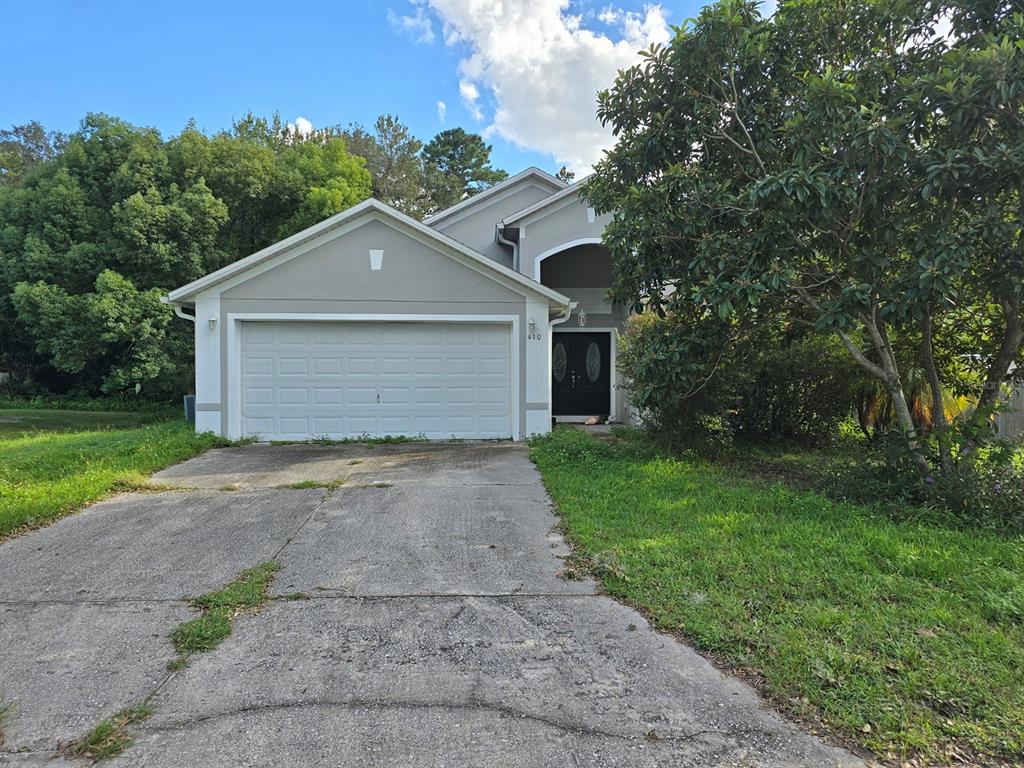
[(551, 328), (500, 237), (565, 315)]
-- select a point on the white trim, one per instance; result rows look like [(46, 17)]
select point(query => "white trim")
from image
[(304, 240), (532, 171), (613, 345), (234, 351), (558, 249), (545, 202)]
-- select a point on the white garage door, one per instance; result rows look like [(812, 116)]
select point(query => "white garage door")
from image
[(302, 380)]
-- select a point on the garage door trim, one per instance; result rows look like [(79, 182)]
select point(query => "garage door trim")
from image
[(234, 349)]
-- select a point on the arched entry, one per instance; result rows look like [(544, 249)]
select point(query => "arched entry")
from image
[(559, 249)]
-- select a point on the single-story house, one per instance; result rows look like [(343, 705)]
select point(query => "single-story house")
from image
[(487, 320)]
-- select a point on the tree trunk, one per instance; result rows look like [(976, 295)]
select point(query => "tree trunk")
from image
[(998, 370), (939, 422), (894, 385), (889, 373), (1000, 366)]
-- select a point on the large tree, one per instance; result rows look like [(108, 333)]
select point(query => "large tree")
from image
[(840, 164), (23, 146), (392, 157), (457, 165), (90, 237)]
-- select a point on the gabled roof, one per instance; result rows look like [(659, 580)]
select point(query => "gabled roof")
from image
[(371, 206), (576, 188), (531, 172)]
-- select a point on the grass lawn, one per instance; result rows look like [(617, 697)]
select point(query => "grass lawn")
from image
[(16, 422), (904, 637), (87, 455)]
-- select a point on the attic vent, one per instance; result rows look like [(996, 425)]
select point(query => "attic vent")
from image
[(376, 260), (591, 216)]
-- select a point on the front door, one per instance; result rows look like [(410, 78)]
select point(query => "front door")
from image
[(581, 374)]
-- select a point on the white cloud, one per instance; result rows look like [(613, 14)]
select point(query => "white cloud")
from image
[(471, 99), (442, 111), (301, 127), (418, 26), (543, 69), (468, 91)]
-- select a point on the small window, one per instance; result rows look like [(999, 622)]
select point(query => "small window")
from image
[(559, 362), (593, 362)]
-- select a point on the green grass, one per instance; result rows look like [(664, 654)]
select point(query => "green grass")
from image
[(46, 475), (219, 609), (18, 422), (304, 484), (6, 710), (903, 637), (109, 737)]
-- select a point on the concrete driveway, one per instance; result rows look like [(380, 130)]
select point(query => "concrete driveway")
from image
[(437, 629)]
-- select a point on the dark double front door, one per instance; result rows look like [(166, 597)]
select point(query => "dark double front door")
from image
[(581, 374)]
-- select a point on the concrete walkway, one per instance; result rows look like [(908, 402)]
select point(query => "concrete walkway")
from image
[(437, 629)]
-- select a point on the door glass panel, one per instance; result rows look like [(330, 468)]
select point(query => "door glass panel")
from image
[(593, 362), (559, 361)]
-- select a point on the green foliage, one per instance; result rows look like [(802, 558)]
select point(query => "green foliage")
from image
[(845, 616), (219, 608), (95, 226), (27, 420), (458, 165), (841, 166), (115, 334), (46, 475), (109, 737), (679, 369), (104, 221), (7, 709), (799, 389), (695, 377), (24, 146), (392, 158)]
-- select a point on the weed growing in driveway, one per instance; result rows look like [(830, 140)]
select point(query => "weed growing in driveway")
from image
[(303, 484), (219, 609), (6, 710), (109, 737)]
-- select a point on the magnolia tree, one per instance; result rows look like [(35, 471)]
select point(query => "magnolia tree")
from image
[(856, 166)]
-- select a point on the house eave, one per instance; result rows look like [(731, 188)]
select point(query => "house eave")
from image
[(187, 293)]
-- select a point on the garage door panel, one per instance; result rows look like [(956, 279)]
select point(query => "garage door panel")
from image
[(293, 396), (327, 366), (361, 395), (258, 366), (347, 379), (327, 396), (360, 366), (293, 366)]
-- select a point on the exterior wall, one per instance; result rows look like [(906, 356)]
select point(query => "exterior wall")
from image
[(584, 274), (414, 279), (567, 222), (475, 226)]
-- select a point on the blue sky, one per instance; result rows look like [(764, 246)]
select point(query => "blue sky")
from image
[(522, 73)]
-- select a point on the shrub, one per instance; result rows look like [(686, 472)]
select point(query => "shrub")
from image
[(678, 370), (796, 389)]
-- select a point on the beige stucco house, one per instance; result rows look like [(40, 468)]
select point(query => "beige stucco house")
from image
[(488, 320)]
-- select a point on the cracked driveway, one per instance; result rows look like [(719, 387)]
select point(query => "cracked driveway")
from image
[(437, 630)]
